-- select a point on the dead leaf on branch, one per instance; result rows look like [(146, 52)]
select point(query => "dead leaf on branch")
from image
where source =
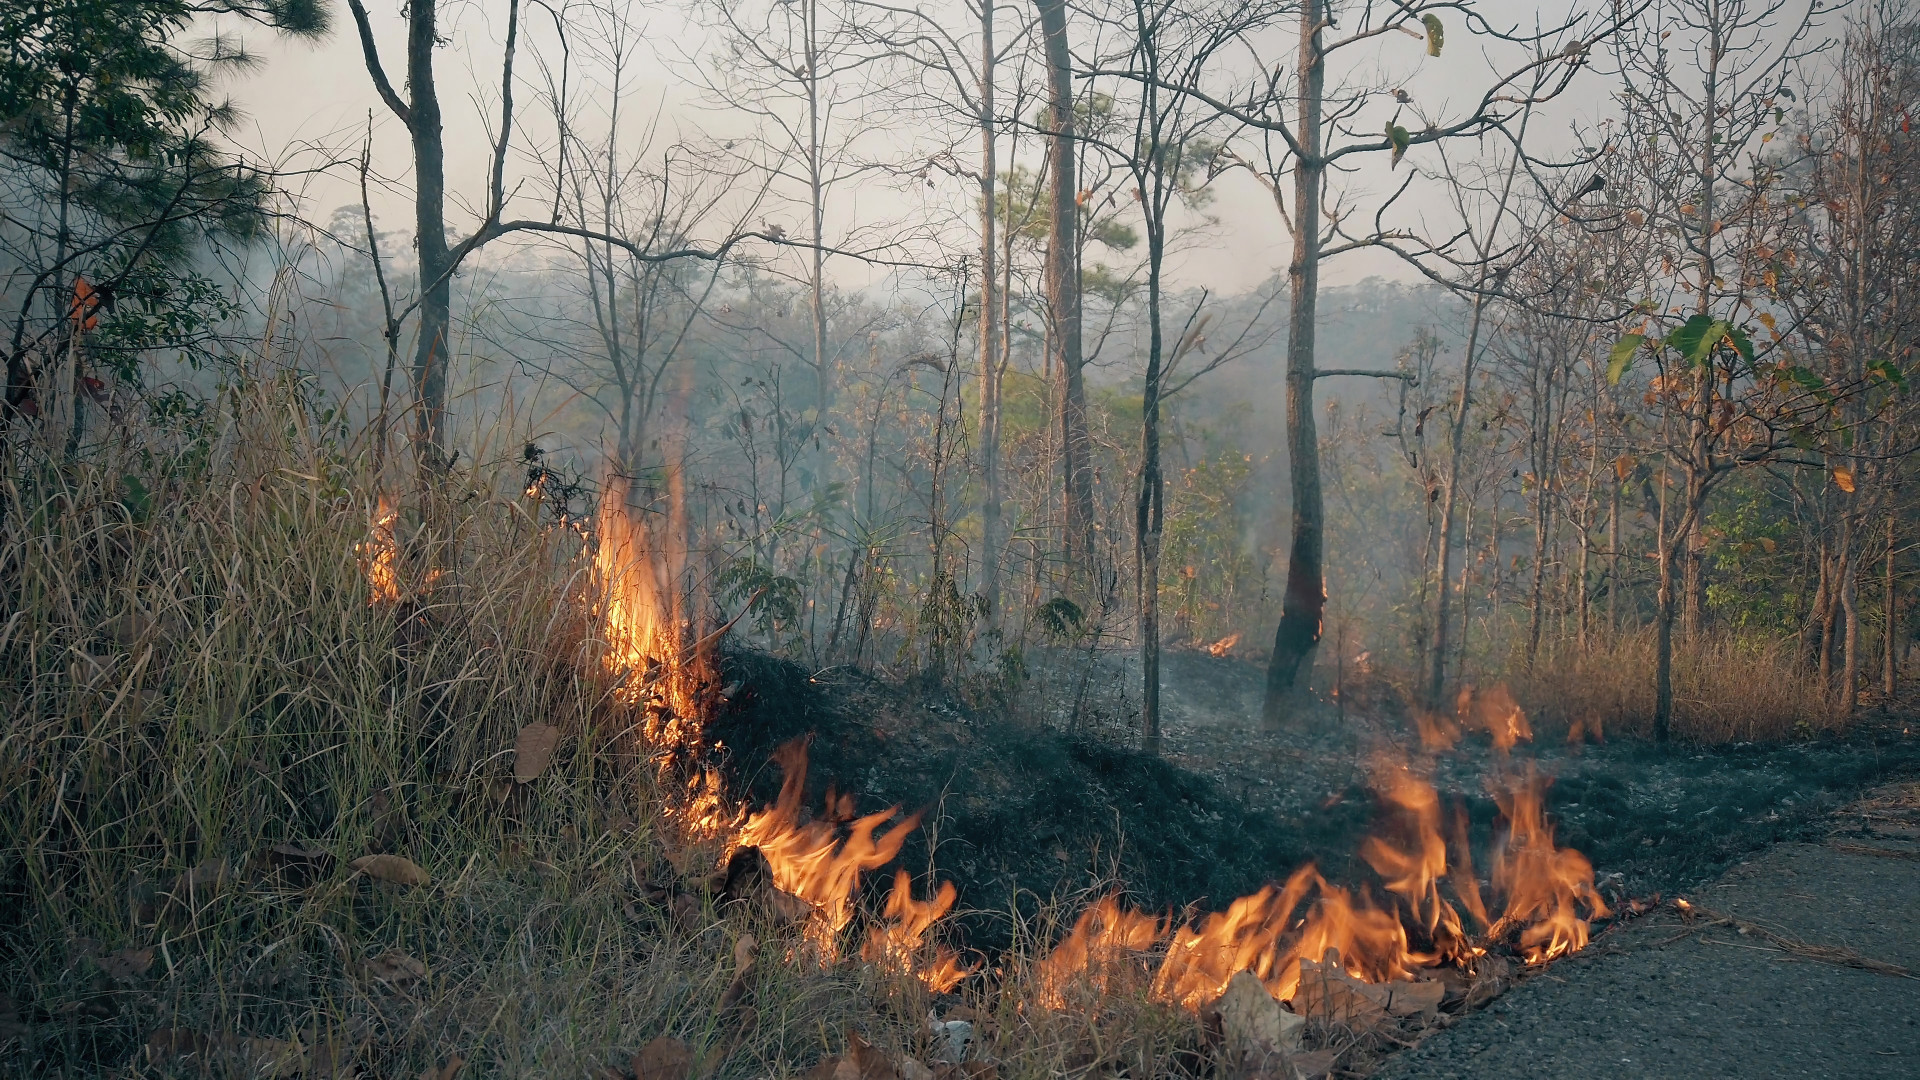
[(533, 751), (1843, 478), (397, 869)]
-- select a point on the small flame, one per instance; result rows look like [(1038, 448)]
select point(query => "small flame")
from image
[(1495, 712), (1225, 645), (379, 554), (1545, 889), (898, 943), (1105, 934)]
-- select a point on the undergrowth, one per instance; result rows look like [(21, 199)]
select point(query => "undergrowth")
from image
[(209, 724)]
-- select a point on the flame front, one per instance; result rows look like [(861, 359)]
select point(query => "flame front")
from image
[(1225, 645), (1544, 887)]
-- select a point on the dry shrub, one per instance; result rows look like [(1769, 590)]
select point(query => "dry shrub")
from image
[(1727, 688)]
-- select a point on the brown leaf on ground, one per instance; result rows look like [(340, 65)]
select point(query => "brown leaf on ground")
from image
[(1329, 995), (200, 884), (834, 1067), (294, 860), (533, 751), (744, 951), (395, 868), (396, 969), (665, 1058), (1316, 1065), (447, 1070), (127, 963)]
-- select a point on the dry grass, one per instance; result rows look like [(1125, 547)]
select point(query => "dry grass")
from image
[(207, 721), (1726, 689)]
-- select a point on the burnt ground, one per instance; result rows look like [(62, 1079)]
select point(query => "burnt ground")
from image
[(1019, 811)]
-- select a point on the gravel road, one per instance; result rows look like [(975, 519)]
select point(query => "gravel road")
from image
[(1655, 1000)]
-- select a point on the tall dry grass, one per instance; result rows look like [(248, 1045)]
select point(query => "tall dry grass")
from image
[(208, 721), (1727, 688)]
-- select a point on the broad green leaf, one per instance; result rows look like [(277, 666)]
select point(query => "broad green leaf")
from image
[(1436, 34), (1622, 356), (1687, 338)]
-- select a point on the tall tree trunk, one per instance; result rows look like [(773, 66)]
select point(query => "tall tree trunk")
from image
[(431, 357), (1449, 495), (1063, 297), (989, 333), (1304, 604)]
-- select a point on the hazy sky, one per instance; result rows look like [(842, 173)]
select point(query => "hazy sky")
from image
[(309, 103)]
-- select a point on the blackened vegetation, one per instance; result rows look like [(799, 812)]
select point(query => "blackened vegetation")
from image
[(1020, 813)]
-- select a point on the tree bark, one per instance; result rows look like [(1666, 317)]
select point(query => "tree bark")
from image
[(989, 333), (1890, 639), (430, 237), (1303, 606), (1063, 298)]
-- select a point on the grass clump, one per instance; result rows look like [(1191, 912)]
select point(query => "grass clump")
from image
[(1727, 688)]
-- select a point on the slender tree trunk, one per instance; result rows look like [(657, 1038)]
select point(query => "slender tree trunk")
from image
[(816, 190), (1063, 298), (1850, 641), (1304, 604), (1891, 638), (1147, 511), (1437, 678), (989, 333), (1613, 559)]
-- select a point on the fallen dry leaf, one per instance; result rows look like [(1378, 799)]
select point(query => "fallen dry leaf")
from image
[(744, 951), (533, 751), (396, 969), (127, 963), (665, 1058), (447, 1071), (395, 868)]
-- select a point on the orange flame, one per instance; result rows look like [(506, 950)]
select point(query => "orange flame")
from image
[(897, 944), (810, 859), (1544, 885), (1105, 934), (1225, 645), (1495, 712), (379, 553)]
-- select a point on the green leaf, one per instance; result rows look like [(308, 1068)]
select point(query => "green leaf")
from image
[(137, 501), (1436, 34), (1398, 136), (1622, 357), (1742, 344), (1687, 341)]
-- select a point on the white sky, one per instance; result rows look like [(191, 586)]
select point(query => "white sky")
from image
[(306, 103)]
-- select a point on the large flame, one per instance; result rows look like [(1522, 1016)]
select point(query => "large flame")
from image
[(811, 859), (1545, 886)]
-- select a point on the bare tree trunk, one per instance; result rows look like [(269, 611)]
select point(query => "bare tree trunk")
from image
[(1304, 604), (1147, 512), (1890, 640), (1063, 296), (816, 190), (1613, 559), (989, 333), (430, 238)]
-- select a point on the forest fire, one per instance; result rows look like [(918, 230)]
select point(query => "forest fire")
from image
[(1225, 645), (1279, 933)]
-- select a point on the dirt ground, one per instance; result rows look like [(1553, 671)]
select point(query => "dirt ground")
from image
[(1676, 997)]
